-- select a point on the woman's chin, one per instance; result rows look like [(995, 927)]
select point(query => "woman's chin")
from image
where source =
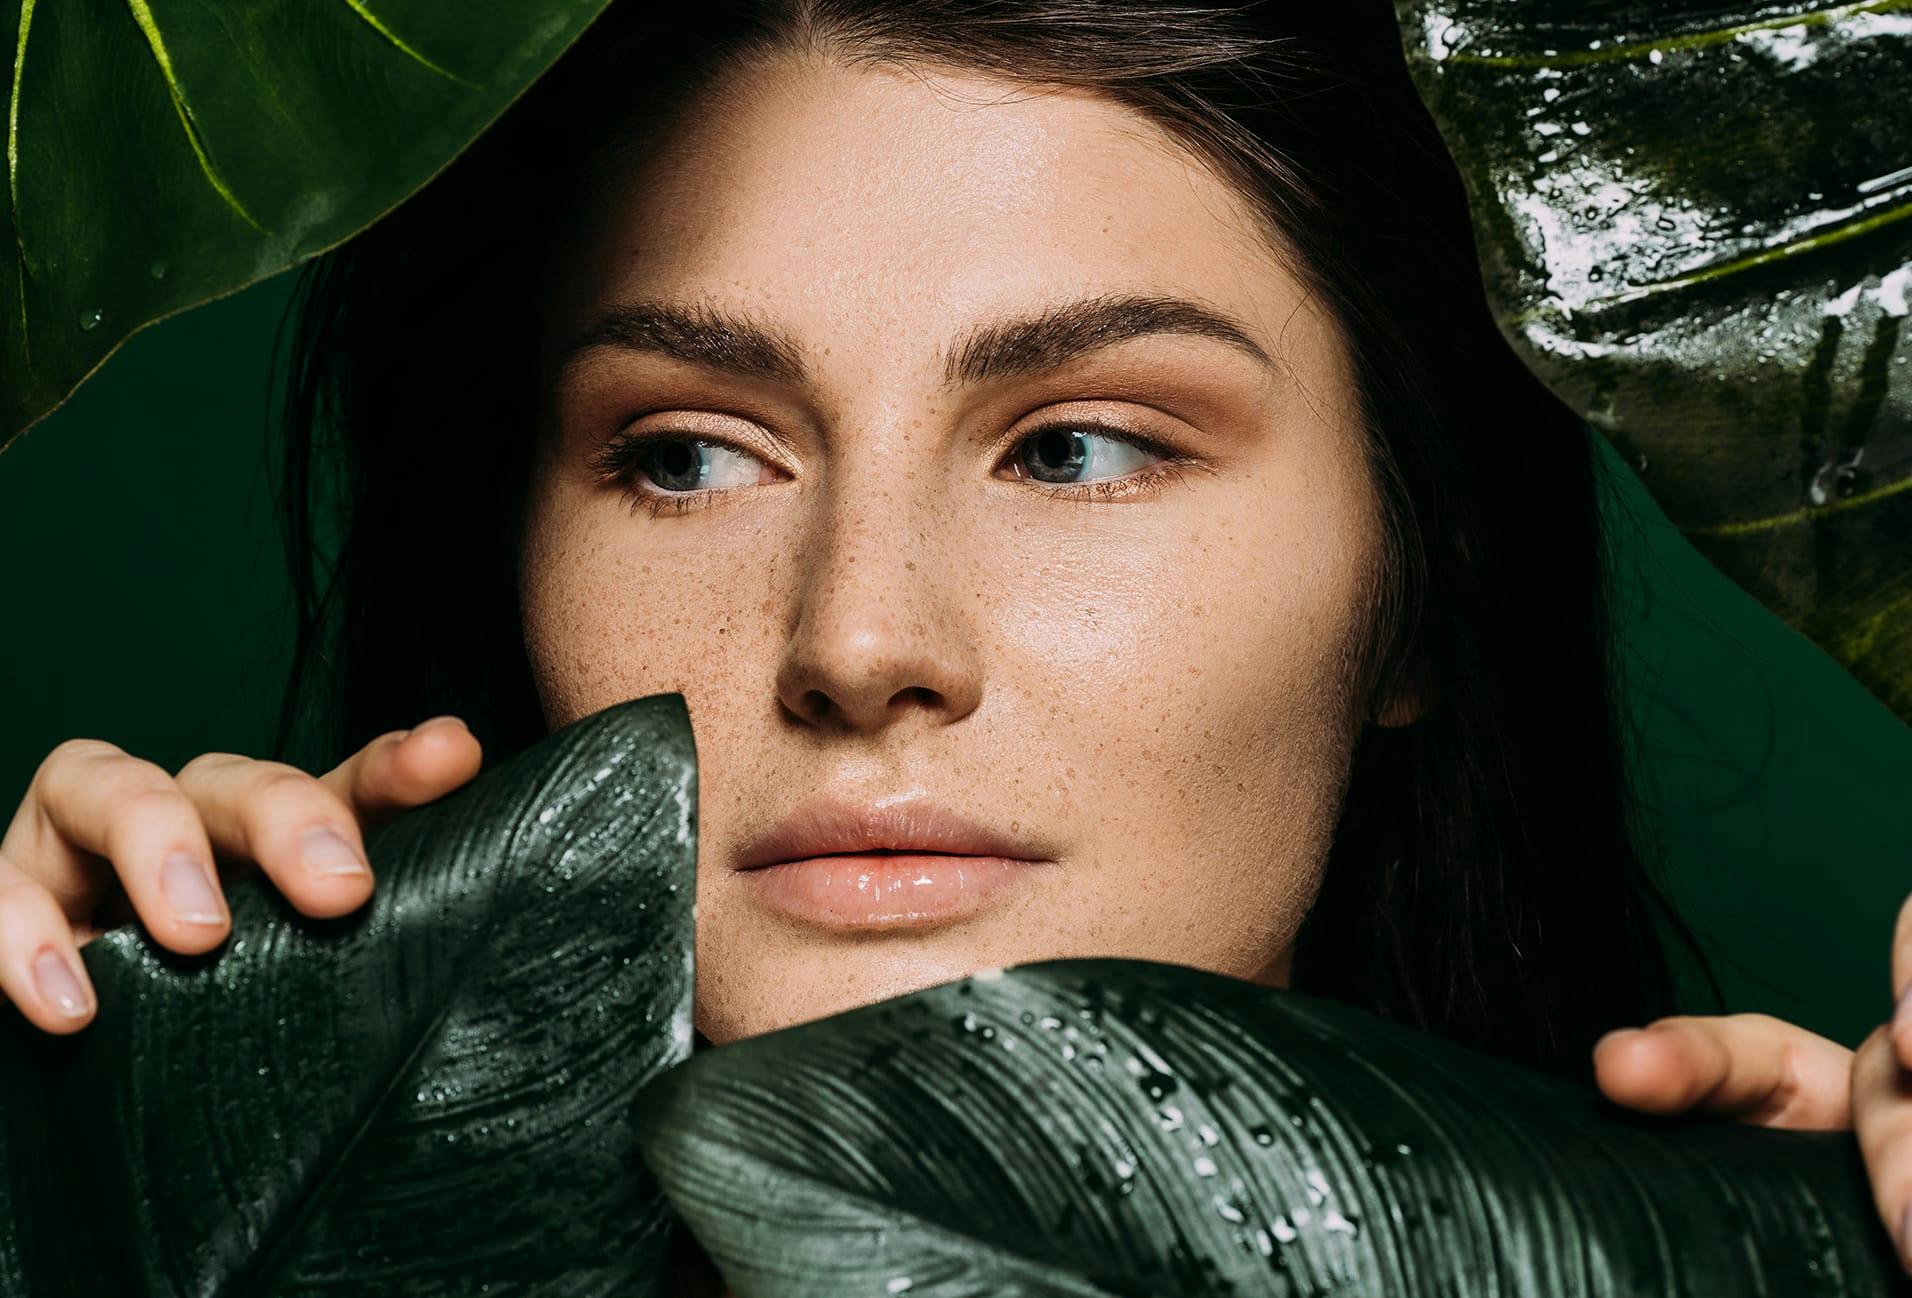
[(784, 989)]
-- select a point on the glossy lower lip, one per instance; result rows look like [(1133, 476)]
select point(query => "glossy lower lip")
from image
[(887, 889)]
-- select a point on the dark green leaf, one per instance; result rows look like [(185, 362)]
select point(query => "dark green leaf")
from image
[(163, 152), (1099, 1127), (429, 1096), (1693, 221)]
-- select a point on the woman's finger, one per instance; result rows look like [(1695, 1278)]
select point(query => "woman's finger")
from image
[(1902, 985), (1751, 1067), (40, 969), (91, 800), (406, 767), (1882, 1118), (300, 832)]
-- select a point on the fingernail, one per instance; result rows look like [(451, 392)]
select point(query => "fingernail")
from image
[(323, 852), (59, 986), (187, 885), (440, 723)]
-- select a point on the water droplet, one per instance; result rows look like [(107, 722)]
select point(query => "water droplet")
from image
[(157, 270), (1655, 57), (1204, 1166), (90, 321), (898, 1284)]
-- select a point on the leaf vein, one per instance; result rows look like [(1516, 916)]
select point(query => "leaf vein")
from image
[(13, 170), (1672, 44), (398, 43), (143, 15), (1804, 243), (1774, 523)]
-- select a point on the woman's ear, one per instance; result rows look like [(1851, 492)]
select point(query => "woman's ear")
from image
[(1409, 694)]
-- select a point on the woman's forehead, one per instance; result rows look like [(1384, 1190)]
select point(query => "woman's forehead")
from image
[(874, 201)]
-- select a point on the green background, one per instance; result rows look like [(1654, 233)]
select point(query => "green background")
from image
[(145, 605)]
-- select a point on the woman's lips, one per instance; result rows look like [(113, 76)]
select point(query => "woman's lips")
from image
[(903, 889)]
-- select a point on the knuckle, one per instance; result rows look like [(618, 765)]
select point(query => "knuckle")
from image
[(23, 896), (287, 790), (70, 752), (206, 762), (150, 801)]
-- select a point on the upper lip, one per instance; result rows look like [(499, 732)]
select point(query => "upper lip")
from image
[(828, 826)]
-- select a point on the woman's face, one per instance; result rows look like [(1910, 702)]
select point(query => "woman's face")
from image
[(891, 331)]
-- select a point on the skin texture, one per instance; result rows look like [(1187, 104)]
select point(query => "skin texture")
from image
[(1154, 688)]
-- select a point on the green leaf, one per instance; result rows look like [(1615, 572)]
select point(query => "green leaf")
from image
[(426, 1097), (1103, 1127), (164, 152), (1693, 221)]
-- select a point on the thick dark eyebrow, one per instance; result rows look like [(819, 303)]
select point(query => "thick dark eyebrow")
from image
[(1059, 334), (696, 334), (704, 335)]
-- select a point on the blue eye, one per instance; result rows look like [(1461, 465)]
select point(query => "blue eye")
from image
[(681, 464), (1065, 455)]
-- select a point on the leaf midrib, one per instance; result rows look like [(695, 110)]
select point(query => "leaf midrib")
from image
[(262, 1276)]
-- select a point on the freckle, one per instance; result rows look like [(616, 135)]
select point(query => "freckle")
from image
[(910, 565)]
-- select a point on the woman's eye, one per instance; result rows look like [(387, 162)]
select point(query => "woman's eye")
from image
[(1065, 455), (685, 464)]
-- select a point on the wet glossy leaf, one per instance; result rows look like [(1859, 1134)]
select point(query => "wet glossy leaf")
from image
[(1692, 218), (1102, 1127), (428, 1097), (163, 152)]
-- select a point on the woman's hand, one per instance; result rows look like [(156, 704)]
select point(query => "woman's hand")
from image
[(102, 836), (1761, 1070)]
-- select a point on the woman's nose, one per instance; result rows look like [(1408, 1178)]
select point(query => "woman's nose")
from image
[(881, 632)]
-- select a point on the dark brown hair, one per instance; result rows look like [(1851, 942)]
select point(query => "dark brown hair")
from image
[(1483, 882)]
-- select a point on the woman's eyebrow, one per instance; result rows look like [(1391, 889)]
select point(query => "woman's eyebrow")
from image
[(735, 343)]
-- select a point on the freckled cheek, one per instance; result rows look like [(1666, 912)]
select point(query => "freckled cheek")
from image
[(611, 612), (1195, 698)]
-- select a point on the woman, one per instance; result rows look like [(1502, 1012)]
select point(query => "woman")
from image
[(1059, 450)]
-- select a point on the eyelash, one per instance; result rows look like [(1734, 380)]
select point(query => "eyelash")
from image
[(618, 462)]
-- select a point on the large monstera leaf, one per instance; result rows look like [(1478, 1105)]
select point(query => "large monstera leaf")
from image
[(1103, 1127), (432, 1096), (1693, 221), (163, 152)]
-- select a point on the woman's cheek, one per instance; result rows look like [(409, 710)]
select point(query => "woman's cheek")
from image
[(1197, 715)]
